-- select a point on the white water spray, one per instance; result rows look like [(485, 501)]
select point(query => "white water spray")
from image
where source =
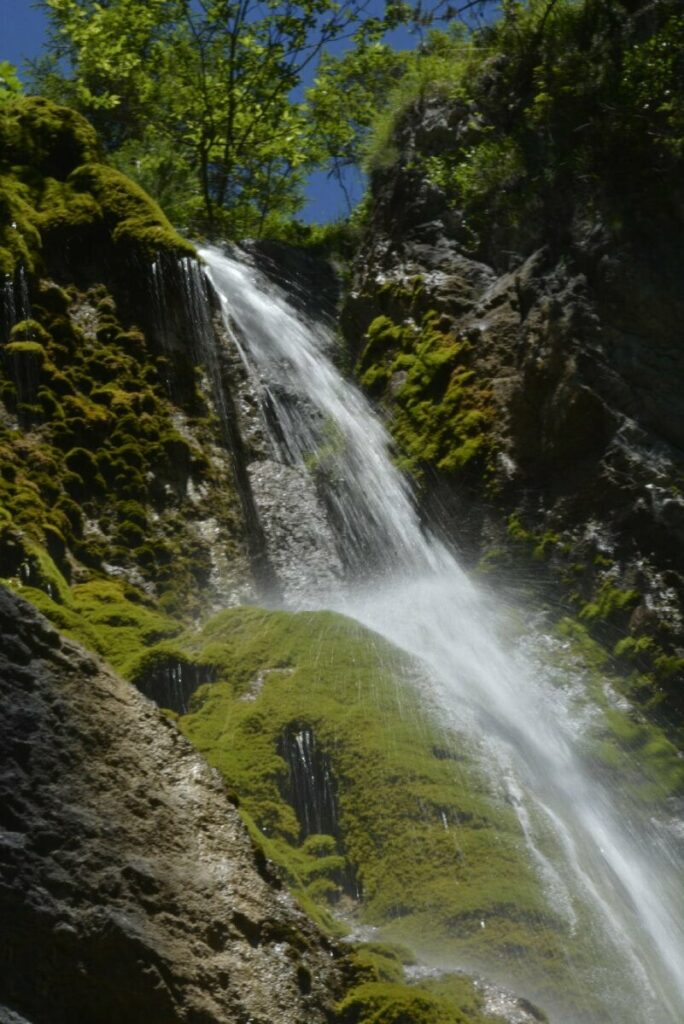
[(612, 859)]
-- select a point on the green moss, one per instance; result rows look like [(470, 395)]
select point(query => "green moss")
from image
[(20, 240), (386, 1003), (52, 186), (50, 139), (440, 414), (642, 760), (29, 352), (96, 424), (376, 961), (136, 221), (609, 602), (433, 850)]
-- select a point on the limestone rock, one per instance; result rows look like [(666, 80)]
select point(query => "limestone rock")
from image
[(129, 888)]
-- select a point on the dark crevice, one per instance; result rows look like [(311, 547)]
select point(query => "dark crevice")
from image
[(310, 788), (172, 682)]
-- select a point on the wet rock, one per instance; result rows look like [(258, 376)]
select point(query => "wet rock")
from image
[(575, 345), (129, 889)]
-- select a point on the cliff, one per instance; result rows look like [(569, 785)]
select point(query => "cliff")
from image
[(137, 882), (153, 488), (516, 311)]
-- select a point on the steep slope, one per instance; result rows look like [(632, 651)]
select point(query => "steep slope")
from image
[(516, 311), (126, 516), (129, 888)]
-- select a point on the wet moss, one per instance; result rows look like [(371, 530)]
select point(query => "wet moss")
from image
[(387, 1003), (433, 850), (440, 415), (100, 436)]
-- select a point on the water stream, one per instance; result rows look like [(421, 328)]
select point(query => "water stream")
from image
[(613, 862)]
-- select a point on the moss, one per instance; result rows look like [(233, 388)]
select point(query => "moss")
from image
[(433, 850), (29, 352), (20, 240), (379, 962), (30, 331), (440, 414), (136, 222), (60, 207), (53, 188), (386, 1003), (49, 138), (609, 602), (92, 409), (637, 753)]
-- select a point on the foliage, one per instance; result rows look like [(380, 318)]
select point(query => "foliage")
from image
[(437, 70), (557, 105), (10, 84), (217, 87), (364, 76)]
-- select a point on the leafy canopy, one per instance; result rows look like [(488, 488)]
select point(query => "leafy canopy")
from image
[(203, 101)]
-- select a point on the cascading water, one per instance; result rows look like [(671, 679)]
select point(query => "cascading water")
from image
[(608, 861)]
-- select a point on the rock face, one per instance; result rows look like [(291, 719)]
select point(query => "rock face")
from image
[(536, 395), (129, 889)]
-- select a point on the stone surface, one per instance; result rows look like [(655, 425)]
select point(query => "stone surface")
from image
[(578, 345), (129, 889)]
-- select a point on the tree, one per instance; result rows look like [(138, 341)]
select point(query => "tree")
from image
[(203, 102), (10, 85), (201, 91)]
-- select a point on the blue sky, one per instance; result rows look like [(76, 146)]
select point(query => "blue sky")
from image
[(22, 30)]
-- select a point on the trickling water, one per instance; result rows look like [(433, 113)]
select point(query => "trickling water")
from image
[(311, 787), (406, 586), (14, 303)]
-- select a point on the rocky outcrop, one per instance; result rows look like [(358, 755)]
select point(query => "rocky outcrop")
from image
[(536, 395), (120, 453), (129, 889)]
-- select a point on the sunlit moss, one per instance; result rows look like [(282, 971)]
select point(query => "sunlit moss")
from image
[(440, 415)]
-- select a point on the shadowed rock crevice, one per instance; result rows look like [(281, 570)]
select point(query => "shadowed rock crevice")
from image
[(171, 681), (310, 787)]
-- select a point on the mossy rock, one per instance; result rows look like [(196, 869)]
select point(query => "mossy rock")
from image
[(136, 222), (50, 139), (424, 883), (439, 414), (54, 189), (386, 1003)]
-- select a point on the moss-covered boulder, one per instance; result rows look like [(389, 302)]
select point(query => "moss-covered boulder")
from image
[(56, 194)]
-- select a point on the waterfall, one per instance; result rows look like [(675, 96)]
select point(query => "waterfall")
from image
[(608, 853)]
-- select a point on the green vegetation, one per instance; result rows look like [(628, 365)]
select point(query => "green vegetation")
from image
[(606, 630), (384, 1003), (200, 103), (94, 468), (634, 755), (558, 106), (439, 413), (10, 86), (438, 857), (54, 192)]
